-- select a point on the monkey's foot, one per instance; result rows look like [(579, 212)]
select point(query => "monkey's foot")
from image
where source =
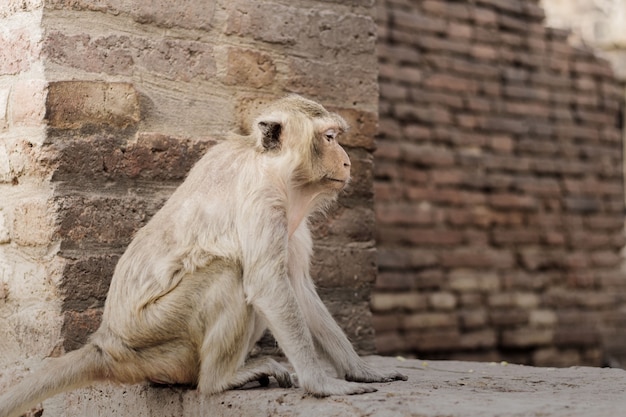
[(260, 370)]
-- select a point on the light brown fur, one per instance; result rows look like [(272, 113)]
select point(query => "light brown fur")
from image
[(226, 257)]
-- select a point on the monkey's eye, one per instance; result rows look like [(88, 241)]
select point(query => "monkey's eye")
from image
[(330, 135)]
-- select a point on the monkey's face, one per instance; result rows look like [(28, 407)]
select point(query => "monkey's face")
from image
[(333, 163)]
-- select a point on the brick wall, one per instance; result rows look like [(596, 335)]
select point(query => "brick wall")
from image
[(498, 182), (105, 106)]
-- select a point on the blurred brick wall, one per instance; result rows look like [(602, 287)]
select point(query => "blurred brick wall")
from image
[(498, 183), (104, 107)]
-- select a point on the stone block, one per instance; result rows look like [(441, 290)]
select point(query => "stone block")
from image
[(28, 102), (171, 58), (5, 233), (111, 221), (245, 67), (18, 52), (105, 156), (86, 281), (34, 222), (184, 14), (83, 104), (347, 266), (4, 103), (77, 326)]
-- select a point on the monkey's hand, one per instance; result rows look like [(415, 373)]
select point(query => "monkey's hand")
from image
[(327, 386), (363, 372)]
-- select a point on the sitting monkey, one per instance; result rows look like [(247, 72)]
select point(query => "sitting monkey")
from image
[(226, 257)]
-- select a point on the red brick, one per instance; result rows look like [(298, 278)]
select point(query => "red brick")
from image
[(513, 201), (477, 258), (420, 237), (450, 82), (397, 213)]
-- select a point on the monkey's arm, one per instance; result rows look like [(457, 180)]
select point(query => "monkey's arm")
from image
[(329, 338), (268, 290), (332, 342)]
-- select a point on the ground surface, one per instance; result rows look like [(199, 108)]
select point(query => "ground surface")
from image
[(434, 389)]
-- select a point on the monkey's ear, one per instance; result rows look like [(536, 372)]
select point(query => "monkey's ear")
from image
[(270, 134)]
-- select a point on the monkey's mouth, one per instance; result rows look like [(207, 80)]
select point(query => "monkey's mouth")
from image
[(337, 180)]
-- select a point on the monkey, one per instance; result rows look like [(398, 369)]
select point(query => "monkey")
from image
[(224, 259)]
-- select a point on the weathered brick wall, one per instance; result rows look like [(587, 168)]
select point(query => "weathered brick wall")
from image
[(498, 185), (104, 106)]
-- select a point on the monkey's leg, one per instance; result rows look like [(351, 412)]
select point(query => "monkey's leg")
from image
[(257, 370)]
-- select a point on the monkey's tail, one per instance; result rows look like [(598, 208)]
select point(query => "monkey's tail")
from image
[(72, 370)]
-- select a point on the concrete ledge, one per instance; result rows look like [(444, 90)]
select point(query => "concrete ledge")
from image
[(434, 389)]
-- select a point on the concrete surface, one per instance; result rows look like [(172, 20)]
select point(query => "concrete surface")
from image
[(434, 389)]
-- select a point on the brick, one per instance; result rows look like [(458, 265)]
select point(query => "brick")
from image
[(389, 343), (582, 204), (552, 357), (473, 318), (77, 104), (397, 213), (578, 335), (418, 22), (430, 320), (442, 301), (385, 302), (425, 114), (450, 82), (467, 280), (606, 258), (484, 16), (525, 337), (405, 258), (513, 201), (435, 340), (480, 339), (421, 237), (427, 155), (542, 318), (504, 237)]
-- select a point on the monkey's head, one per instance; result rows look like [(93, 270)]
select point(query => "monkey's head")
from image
[(304, 134)]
